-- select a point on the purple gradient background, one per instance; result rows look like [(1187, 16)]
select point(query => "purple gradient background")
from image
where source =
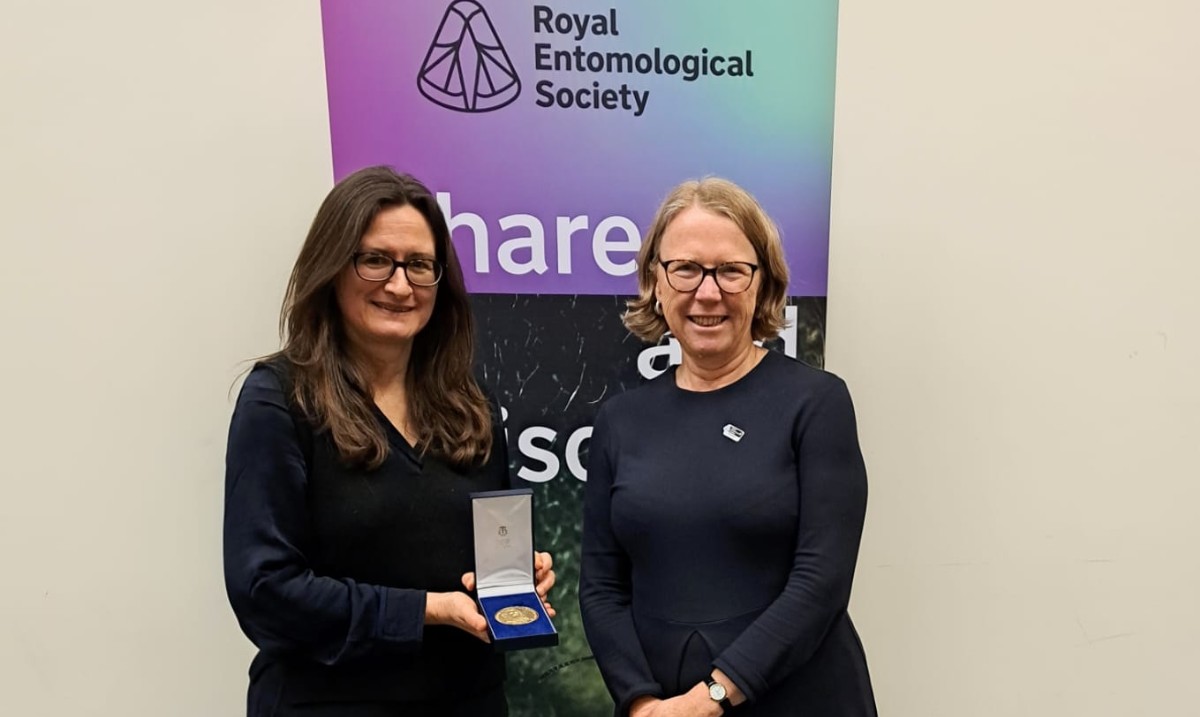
[(771, 133)]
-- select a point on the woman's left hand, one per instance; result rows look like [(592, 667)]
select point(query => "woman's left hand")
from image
[(543, 576)]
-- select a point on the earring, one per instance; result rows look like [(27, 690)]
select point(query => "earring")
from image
[(657, 307)]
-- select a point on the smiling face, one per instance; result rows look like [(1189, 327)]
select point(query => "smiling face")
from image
[(711, 326), (387, 315)]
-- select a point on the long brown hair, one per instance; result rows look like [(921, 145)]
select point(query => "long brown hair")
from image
[(446, 406)]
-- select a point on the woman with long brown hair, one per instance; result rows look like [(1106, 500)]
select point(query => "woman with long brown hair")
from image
[(352, 453)]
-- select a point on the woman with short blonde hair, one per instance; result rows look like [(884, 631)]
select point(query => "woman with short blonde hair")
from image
[(725, 499)]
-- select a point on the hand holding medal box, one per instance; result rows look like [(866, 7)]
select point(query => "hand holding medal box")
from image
[(504, 572)]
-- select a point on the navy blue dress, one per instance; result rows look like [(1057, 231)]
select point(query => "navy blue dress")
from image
[(700, 551)]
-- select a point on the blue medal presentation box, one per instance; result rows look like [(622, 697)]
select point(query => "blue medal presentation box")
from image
[(504, 570)]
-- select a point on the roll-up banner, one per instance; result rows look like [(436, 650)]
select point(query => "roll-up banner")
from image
[(550, 133)]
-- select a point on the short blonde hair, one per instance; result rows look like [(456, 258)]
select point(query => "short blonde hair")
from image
[(723, 197)]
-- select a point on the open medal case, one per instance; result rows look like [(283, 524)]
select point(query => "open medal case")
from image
[(504, 570)]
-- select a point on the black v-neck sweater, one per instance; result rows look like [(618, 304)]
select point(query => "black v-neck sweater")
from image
[(327, 565)]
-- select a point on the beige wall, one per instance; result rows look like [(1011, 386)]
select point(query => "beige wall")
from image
[(1011, 300), (160, 163)]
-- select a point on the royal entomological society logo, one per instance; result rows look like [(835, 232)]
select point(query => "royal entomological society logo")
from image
[(469, 69)]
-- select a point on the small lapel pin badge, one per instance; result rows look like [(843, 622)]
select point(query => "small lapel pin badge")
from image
[(732, 432)]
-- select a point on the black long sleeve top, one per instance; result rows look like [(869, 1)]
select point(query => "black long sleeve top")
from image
[(702, 551), (327, 565)]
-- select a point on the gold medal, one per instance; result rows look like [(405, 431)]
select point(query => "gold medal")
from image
[(515, 615)]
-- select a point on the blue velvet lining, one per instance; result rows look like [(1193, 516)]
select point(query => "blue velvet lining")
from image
[(540, 626)]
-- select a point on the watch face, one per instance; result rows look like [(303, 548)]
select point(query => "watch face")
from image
[(716, 691)]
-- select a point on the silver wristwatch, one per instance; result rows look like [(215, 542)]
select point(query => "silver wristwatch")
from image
[(717, 693)]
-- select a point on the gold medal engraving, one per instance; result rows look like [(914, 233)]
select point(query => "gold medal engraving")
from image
[(515, 615)]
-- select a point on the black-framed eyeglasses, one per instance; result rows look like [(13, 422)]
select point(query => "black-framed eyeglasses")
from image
[(371, 266), (732, 277)]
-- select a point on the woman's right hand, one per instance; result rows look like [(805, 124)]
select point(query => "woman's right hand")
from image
[(457, 610), (644, 706), (693, 703)]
